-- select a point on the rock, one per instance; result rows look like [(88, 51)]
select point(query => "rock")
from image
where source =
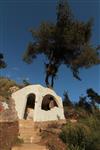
[(13, 89), (8, 114)]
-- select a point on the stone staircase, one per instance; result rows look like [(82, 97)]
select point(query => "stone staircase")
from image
[(30, 135), (28, 131)]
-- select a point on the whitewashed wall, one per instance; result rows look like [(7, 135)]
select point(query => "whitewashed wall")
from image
[(20, 98)]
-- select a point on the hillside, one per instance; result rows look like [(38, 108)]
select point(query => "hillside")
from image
[(82, 127), (6, 86)]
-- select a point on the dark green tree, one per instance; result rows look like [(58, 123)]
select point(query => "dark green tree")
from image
[(66, 100), (84, 103), (94, 97), (65, 42), (2, 62)]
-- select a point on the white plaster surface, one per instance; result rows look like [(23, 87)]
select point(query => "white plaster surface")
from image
[(20, 98)]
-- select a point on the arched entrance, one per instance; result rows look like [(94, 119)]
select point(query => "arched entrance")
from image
[(48, 102), (30, 105)]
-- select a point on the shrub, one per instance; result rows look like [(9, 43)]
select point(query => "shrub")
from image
[(93, 122), (76, 136)]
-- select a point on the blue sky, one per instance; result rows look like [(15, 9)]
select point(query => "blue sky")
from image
[(17, 16)]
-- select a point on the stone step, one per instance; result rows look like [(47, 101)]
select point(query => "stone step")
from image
[(31, 131), (26, 121), (27, 136), (28, 129), (31, 140), (30, 147), (26, 124)]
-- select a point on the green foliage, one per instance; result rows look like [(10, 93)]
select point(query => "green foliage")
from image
[(93, 122), (83, 103), (65, 42), (88, 102), (76, 136), (83, 135)]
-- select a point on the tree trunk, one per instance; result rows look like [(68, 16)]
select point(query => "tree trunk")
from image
[(52, 81), (47, 80)]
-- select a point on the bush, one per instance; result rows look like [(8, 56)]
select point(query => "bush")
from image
[(93, 122), (76, 136), (84, 135)]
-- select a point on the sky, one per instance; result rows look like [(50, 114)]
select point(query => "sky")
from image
[(18, 16)]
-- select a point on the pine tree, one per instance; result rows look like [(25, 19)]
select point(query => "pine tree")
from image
[(65, 42)]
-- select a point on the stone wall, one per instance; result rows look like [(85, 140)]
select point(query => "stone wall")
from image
[(8, 123), (8, 134)]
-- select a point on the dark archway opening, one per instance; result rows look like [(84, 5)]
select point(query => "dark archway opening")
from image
[(30, 105), (48, 102)]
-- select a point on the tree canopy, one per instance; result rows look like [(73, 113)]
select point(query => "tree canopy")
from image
[(90, 101), (67, 41)]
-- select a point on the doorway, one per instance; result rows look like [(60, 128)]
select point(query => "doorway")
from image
[(30, 106)]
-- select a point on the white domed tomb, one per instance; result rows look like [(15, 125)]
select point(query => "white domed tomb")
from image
[(38, 103)]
